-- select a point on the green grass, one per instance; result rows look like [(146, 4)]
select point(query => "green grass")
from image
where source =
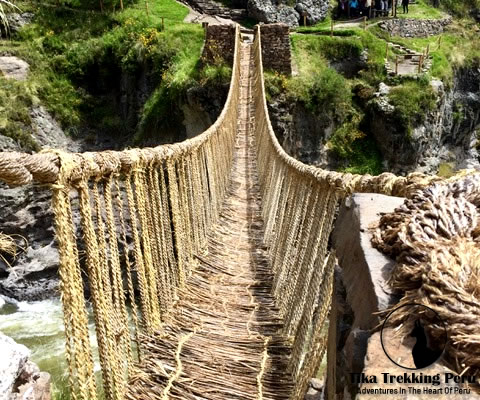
[(420, 10), (322, 25), (310, 47), (327, 93), (16, 98), (412, 101)]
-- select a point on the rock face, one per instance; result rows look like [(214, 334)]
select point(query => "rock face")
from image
[(409, 27), (269, 11), (448, 135), (48, 133), (20, 379), (301, 133), (13, 68), (26, 212)]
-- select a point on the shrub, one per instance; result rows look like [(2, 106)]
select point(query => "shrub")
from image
[(326, 91), (412, 101)]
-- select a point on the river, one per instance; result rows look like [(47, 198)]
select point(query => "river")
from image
[(39, 326)]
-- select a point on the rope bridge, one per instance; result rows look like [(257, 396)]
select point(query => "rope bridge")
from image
[(207, 263)]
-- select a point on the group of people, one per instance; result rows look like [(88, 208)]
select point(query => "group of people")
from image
[(356, 8)]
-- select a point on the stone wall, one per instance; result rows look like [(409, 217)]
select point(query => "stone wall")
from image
[(276, 52), (219, 44), (361, 289), (410, 27)]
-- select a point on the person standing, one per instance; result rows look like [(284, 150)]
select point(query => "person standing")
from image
[(368, 6), (384, 6), (354, 8), (405, 6)]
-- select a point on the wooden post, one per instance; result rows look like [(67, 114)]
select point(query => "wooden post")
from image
[(439, 41), (121, 4), (420, 63), (396, 65), (146, 8), (364, 23), (331, 28), (304, 14), (163, 24), (204, 25)]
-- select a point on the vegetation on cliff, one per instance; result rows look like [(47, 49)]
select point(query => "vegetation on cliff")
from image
[(77, 55), (327, 86)]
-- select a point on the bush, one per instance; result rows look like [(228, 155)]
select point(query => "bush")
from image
[(412, 102), (460, 8), (326, 91)]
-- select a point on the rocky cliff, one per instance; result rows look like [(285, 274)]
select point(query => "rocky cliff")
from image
[(448, 137), (447, 140)]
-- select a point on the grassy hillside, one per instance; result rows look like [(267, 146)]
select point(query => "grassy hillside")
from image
[(67, 47)]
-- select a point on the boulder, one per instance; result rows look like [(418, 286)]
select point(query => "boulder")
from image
[(268, 12), (13, 68), (20, 379), (17, 21), (316, 10), (315, 390), (12, 362)]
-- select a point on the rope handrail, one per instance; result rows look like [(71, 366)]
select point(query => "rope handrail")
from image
[(17, 168), (138, 217), (433, 237), (345, 183)]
